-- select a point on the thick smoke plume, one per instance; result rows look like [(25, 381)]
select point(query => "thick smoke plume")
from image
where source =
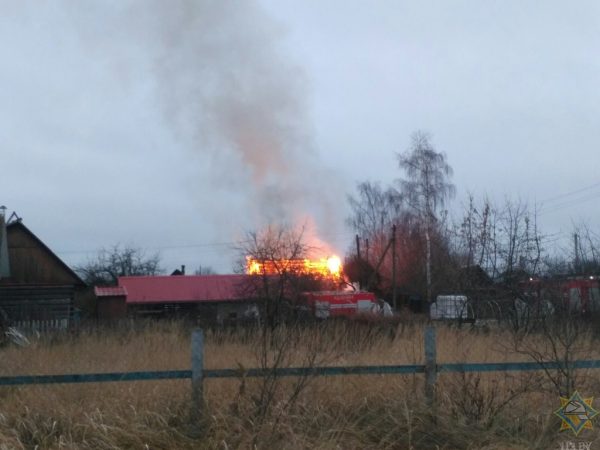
[(226, 86), (231, 93)]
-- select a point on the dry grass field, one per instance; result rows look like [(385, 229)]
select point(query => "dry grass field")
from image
[(491, 411)]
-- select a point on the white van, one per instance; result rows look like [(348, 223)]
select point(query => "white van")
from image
[(450, 307)]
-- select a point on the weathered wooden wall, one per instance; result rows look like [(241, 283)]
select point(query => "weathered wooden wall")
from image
[(31, 262)]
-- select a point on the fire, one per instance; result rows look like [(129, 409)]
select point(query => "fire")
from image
[(326, 267), (334, 264)]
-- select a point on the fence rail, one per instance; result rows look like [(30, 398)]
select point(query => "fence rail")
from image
[(197, 374), (95, 377), (292, 372)]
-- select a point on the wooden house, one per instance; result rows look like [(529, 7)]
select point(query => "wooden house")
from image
[(37, 289)]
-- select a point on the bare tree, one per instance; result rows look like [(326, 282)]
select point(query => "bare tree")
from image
[(426, 187), (586, 250), (520, 249), (389, 240), (274, 254), (374, 210), (560, 337), (579, 257), (374, 213), (505, 241), (476, 233), (118, 261), (278, 279)]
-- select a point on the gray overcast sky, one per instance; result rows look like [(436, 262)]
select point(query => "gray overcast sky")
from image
[(176, 126)]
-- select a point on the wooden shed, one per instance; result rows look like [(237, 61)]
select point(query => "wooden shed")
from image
[(110, 303)]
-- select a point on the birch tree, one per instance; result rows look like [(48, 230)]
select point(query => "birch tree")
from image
[(426, 187)]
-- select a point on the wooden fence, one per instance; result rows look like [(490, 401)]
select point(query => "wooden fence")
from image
[(198, 373)]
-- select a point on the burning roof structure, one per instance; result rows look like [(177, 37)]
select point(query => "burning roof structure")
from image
[(330, 268)]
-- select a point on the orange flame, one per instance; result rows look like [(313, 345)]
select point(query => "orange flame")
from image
[(325, 267)]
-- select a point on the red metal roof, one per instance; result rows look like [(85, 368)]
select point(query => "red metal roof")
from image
[(199, 288), (110, 291)]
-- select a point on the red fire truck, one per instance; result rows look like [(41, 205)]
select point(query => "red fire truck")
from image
[(582, 294), (325, 304)]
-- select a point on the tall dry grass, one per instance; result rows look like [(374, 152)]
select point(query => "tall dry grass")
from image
[(493, 411)]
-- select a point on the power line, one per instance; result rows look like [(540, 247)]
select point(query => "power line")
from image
[(166, 247), (548, 205), (567, 194), (574, 202), (208, 246)]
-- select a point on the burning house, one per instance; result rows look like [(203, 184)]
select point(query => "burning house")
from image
[(231, 299), (325, 267)]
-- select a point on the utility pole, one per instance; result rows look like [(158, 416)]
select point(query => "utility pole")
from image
[(428, 261), (394, 301), (378, 266), (576, 239), (428, 217), (359, 261)]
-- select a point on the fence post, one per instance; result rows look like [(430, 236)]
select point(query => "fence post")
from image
[(197, 373), (430, 364)]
